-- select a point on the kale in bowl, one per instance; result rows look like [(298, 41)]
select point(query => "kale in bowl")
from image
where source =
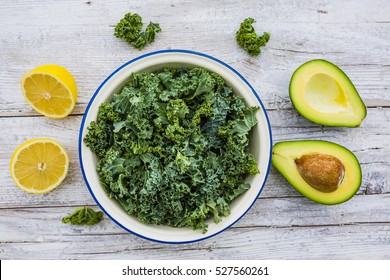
[(172, 147)]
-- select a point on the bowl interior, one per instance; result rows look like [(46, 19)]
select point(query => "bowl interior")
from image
[(260, 144)]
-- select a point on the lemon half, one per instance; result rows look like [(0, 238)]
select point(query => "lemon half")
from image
[(39, 165), (50, 90)]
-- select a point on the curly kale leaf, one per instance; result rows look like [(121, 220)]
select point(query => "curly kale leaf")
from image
[(172, 147), (129, 28), (147, 36), (100, 133), (83, 216), (248, 39)]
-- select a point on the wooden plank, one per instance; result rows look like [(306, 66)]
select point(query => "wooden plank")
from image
[(74, 192), (269, 75), (45, 222), (86, 45), (370, 241), (371, 148), (291, 12)]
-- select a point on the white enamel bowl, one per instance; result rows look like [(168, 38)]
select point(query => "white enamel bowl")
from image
[(260, 144)]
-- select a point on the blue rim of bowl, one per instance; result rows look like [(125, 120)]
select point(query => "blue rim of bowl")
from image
[(156, 53)]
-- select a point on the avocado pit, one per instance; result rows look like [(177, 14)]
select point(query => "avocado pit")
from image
[(323, 172)]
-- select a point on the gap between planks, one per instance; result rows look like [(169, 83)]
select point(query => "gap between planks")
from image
[(232, 228), (25, 114), (259, 198)]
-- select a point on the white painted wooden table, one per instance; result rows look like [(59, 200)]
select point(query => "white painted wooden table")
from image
[(78, 34)]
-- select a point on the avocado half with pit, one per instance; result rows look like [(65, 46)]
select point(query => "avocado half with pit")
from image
[(323, 93), (322, 171)]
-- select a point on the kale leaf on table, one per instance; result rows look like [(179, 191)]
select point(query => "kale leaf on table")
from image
[(248, 39), (83, 216), (172, 147), (129, 28)]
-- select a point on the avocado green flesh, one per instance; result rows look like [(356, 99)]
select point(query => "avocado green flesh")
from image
[(284, 155), (325, 95), (322, 93)]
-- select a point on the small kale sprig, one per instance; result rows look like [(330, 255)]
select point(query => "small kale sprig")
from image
[(83, 216), (129, 28), (248, 39)]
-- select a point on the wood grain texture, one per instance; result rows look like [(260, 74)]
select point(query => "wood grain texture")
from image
[(45, 222), (282, 224), (323, 242), (373, 153), (86, 46)]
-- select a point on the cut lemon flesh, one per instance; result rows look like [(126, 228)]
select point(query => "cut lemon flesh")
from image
[(50, 90), (39, 165)]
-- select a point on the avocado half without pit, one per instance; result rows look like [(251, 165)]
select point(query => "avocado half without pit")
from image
[(322, 171), (323, 93)]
